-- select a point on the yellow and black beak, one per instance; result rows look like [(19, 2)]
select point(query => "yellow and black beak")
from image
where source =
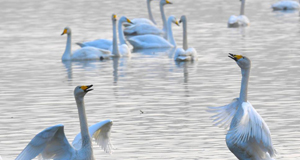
[(86, 88), (129, 21), (235, 57), (168, 2), (177, 23), (65, 32)]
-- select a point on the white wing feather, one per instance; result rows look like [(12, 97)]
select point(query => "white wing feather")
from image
[(252, 126), (224, 113), (149, 41), (51, 143), (101, 133)]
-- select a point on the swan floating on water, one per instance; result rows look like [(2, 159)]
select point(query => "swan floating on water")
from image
[(112, 45), (154, 41), (87, 53), (249, 136), (52, 143), (142, 27), (286, 5), (241, 20), (185, 53)]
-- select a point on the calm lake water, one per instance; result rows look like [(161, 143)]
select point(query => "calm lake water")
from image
[(37, 88)]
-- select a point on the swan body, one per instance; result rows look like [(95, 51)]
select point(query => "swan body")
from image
[(286, 5), (52, 143), (241, 20), (143, 26), (249, 136), (154, 41), (87, 53), (98, 43), (185, 53)]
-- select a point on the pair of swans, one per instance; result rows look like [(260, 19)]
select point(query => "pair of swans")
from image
[(143, 26), (241, 20), (249, 136), (101, 48), (286, 5), (52, 143)]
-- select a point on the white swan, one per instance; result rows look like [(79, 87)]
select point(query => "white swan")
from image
[(147, 27), (185, 53), (154, 41), (87, 53), (111, 45), (249, 136), (241, 20), (52, 143), (286, 5)]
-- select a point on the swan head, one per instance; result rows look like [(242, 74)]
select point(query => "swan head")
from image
[(80, 91), (174, 20), (125, 19), (114, 17), (163, 2), (182, 19), (67, 30), (243, 61)]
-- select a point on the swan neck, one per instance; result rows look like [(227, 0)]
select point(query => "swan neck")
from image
[(121, 33), (185, 42), (242, 7), (170, 33), (86, 139), (115, 50), (163, 17), (150, 12), (244, 85), (67, 53)]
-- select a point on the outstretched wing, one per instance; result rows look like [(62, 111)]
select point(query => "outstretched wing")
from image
[(101, 133), (224, 114), (252, 126), (50, 143)]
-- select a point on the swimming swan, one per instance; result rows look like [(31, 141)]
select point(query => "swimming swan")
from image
[(52, 143), (87, 53), (185, 53), (241, 20), (249, 136), (154, 41), (144, 27), (117, 50), (286, 5)]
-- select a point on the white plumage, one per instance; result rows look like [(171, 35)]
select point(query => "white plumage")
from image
[(52, 143), (241, 20), (286, 5)]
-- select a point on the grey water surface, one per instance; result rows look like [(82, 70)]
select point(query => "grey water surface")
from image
[(37, 88)]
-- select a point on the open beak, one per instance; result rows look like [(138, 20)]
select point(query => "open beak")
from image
[(87, 88), (235, 57)]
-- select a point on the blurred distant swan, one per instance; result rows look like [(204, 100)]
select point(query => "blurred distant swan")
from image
[(87, 53), (185, 53), (52, 143), (154, 41), (144, 26), (286, 5), (249, 136), (241, 20), (117, 50)]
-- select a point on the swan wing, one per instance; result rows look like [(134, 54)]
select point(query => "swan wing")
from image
[(50, 143), (141, 29), (283, 5), (149, 41), (252, 126), (137, 21), (99, 43), (224, 114), (101, 133)]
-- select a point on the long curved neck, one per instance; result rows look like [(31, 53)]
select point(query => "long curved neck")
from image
[(150, 12), (170, 33), (242, 7), (67, 54), (163, 17), (86, 139), (244, 85), (121, 33), (185, 42), (115, 50)]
